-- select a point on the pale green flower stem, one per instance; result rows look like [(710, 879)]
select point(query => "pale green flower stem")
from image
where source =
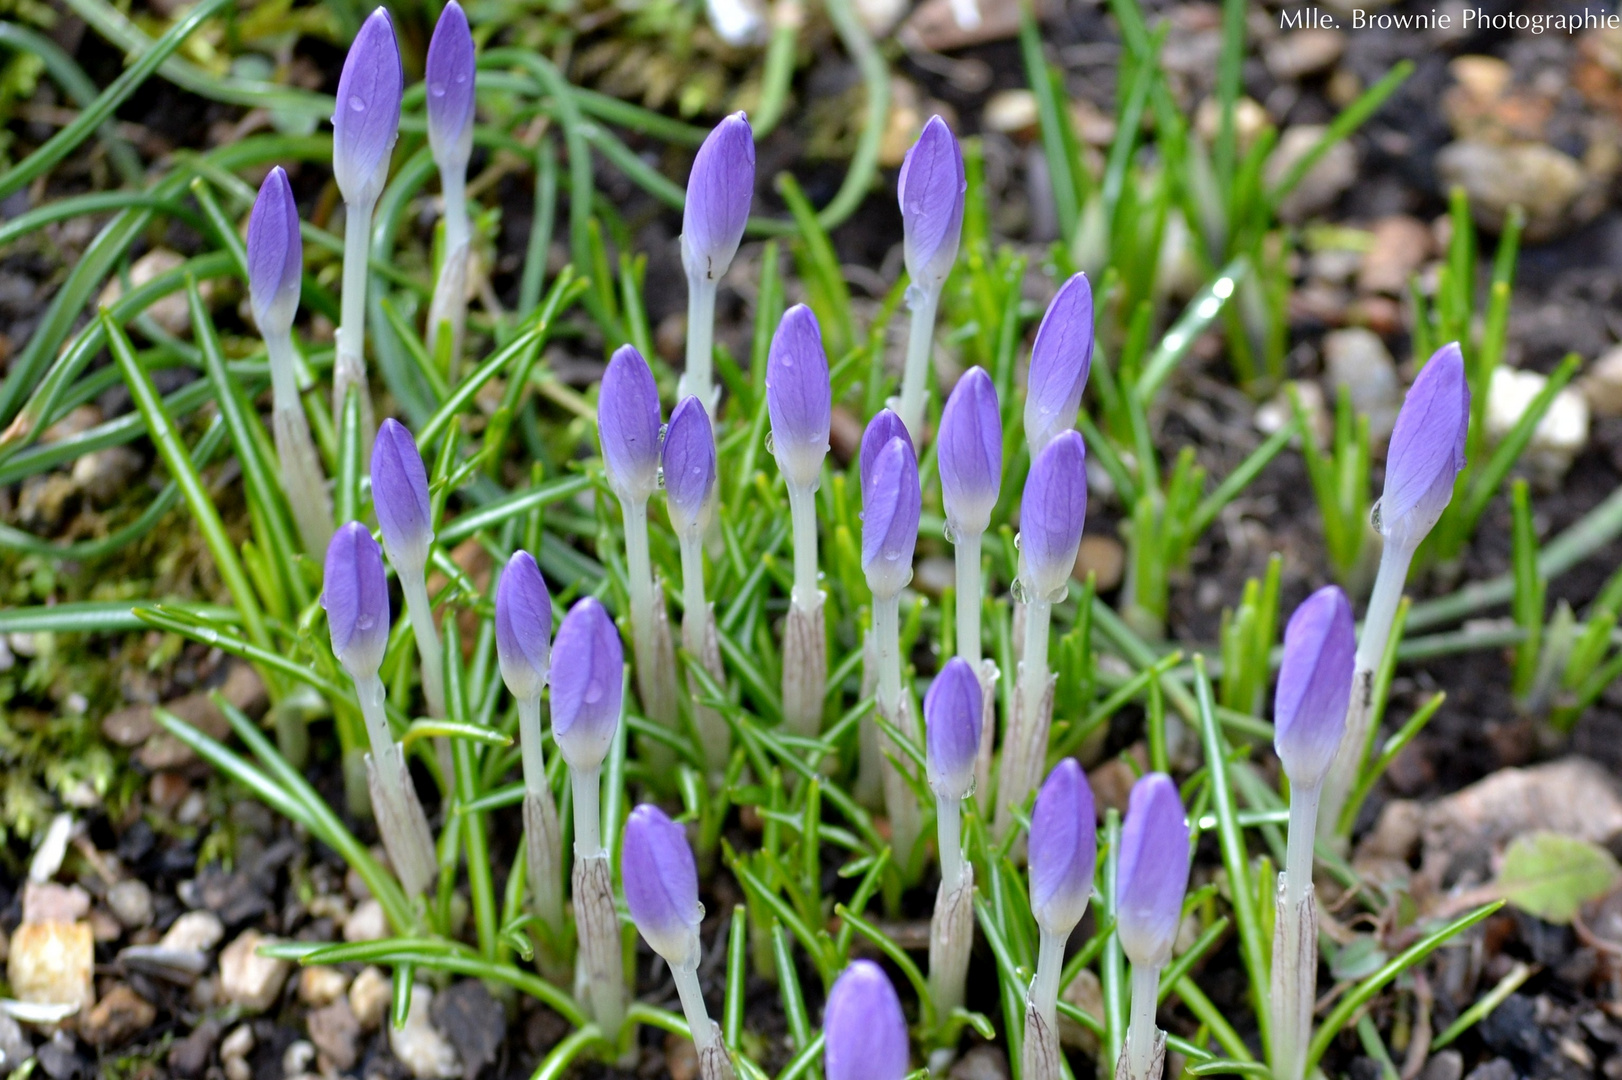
[(302, 477), (915, 375), (1294, 983), (1371, 645), (349, 366), (1140, 1029), (699, 379)]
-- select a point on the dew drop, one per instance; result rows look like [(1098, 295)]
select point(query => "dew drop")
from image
[(700, 907), (1017, 538), (1021, 594), (1059, 594), (659, 477), (365, 622), (949, 533), (437, 89), (771, 443), (1374, 516), (357, 103), (595, 689)]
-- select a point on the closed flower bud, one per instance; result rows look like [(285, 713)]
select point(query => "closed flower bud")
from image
[(275, 255), (719, 191), (661, 884), (952, 729), (587, 684), (356, 596), (969, 452), (1051, 513), (400, 495), (628, 425), (523, 626), (931, 191), (1061, 357), (798, 396), (864, 1033), (367, 117), (891, 502), (1152, 874), (1427, 450), (449, 75), (1314, 686), (689, 462), (1063, 849), (884, 426)]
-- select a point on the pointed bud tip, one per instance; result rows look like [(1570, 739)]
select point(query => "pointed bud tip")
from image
[(400, 496), (355, 595), (864, 1031), (953, 721), (931, 190), (275, 254), (968, 449), (799, 397), (1061, 358), (523, 626), (689, 463), (449, 75), (720, 190), (1427, 449), (1052, 514), (1063, 848), (891, 504), (1314, 686), (661, 883), (366, 118), (628, 424), (587, 671), (1153, 870)]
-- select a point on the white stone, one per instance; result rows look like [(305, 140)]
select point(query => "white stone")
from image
[(1358, 360), (53, 963), (195, 931), (54, 848), (369, 997), (321, 985), (425, 1053), (297, 1057), (131, 903), (1602, 384), (249, 979), (1560, 436), (367, 922), (238, 1044)]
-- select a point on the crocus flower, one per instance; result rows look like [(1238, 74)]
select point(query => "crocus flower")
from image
[(275, 255), (969, 451), (523, 626), (661, 883), (891, 502), (587, 667), (798, 396), (1061, 357), (356, 596), (719, 191), (930, 190), (864, 1033), (400, 495), (952, 729), (1427, 449), (1152, 874), (449, 74), (1063, 849), (628, 425), (884, 426), (689, 463), (367, 118), (1314, 686), (1051, 513)]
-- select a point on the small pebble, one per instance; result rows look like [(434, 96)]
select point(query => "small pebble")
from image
[(419, 1046), (298, 1057), (1359, 361), (53, 963), (118, 1017), (369, 997), (238, 1044), (249, 979), (1560, 436), (367, 922), (130, 901), (321, 985), (1602, 384), (197, 931)]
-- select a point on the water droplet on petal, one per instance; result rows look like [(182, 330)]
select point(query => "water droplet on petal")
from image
[(595, 689), (1374, 516), (1017, 538), (771, 443), (357, 103), (364, 622), (949, 533), (1021, 594), (659, 477)]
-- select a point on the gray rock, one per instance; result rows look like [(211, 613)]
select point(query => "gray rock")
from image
[(131, 903), (15, 1045), (1296, 54), (336, 1033), (194, 931), (104, 474), (1550, 186), (1358, 360), (1325, 182), (189, 1057), (419, 1046), (473, 1022)]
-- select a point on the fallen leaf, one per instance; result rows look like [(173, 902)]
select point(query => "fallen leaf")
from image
[(1551, 876)]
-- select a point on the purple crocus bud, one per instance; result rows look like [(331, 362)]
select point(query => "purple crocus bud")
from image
[(587, 684), (864, 1033), (891, 502), (367, 118), (719, 190), (799, 397), (275, 255), (969, 452), (356, 596), (1314, 686), (689, 462), (1051, 513), (449, 75), (1060, 360), (931, 191), (952, 729), (1427, 450), (661, 884), (400, 495), (628, 425), (523, 626), (1152, 874), (884, 426), (1063, 849)]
